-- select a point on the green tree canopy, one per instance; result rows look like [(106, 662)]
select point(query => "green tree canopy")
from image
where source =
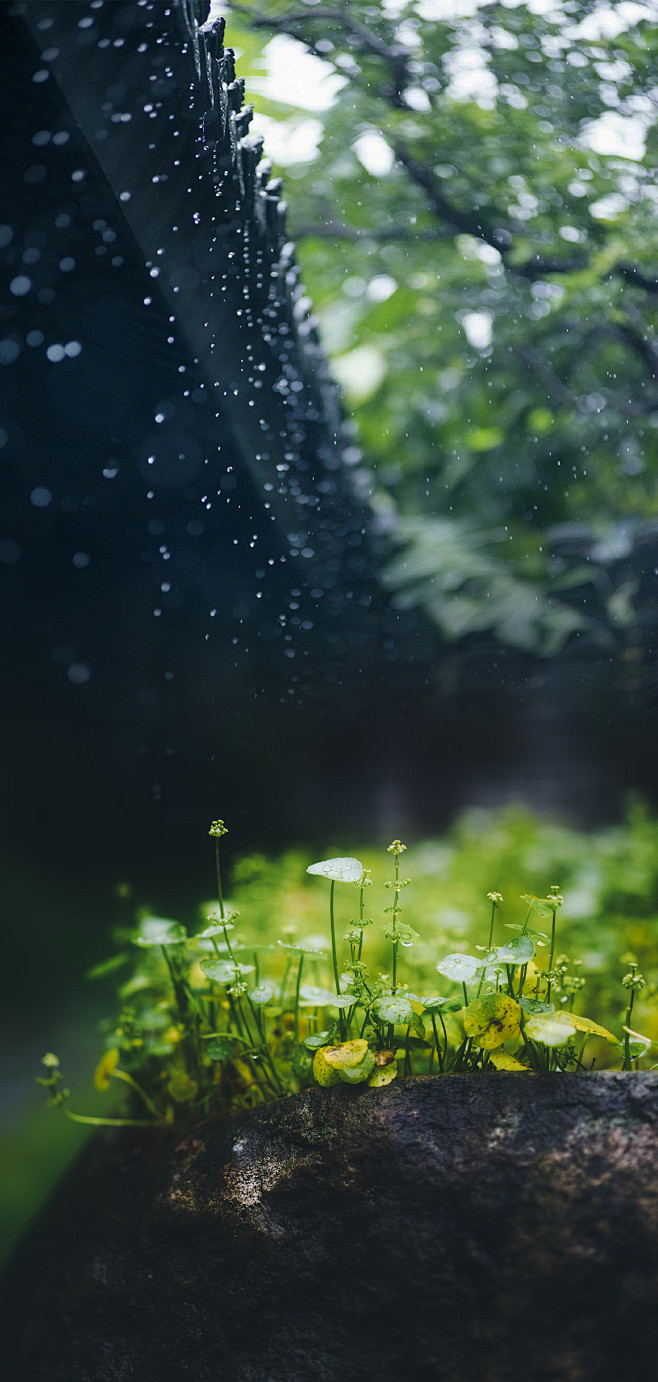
[(478, 232)]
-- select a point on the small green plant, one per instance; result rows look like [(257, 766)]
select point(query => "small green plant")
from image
[(215, 1020)]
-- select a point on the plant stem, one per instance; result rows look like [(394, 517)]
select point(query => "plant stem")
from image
[(407, 1053), (334, 956), (627, 1039), (183, 1006), (489, 945), (395, 921), (219, 882), (440, 1055), (128, 1079), (550, 958), (158, 1122), (299, 980)]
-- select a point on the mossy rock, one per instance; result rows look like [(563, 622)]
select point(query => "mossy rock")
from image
[(473, 1227)]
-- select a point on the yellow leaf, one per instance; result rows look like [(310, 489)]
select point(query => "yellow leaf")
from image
[(105, 1069), (585, 1024), (345, 1056), (383, 1074), (492, 1020), (322, 1071), (503, 1061), (182, 1089)]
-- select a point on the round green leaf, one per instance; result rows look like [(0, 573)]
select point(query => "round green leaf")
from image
[(219, 1047), (301, 948), (342, 870), (535, 1008), (223, 971), (317, 1039), (311, 995), (262, 994), (461, 968), (160, 931), (516, 952), (394, 1009)]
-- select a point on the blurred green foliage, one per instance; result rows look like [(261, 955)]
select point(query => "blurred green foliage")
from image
[(478, 233)]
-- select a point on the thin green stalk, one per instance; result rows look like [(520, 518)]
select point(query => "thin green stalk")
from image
[(220, 896), (128, 1079), (334, 956), (465, 990), (361, 911), (550, 958), (115, 1122), (282, 991), (441, 1056), (627, 1038), (489, 945), (407, 1053), (183, 1005), (299, 980), (395, 921)]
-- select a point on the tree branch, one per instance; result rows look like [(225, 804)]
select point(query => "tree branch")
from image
[(396, 55), (466, 222), (338, 230)]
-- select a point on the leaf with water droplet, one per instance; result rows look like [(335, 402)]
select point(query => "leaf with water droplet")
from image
[(341, 870), (534, 1007), (460, 968), (301, 948), (223, 971), (395, 1009), (262, 994), (159, 931), (516, 952)]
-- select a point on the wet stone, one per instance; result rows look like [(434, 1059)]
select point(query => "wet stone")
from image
[(470, 1227)]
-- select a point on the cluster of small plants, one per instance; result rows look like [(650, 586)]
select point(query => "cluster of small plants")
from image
[(214, 1021)]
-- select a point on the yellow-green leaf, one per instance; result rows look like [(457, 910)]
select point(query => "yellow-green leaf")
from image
[(585, 1024), (492, 1020), (105, 1069), (345, 1056), (502, 1060), (322, 1071), (183, 1089), (383, 1074)]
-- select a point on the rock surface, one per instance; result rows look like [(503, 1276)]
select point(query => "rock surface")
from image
[(457, 1229)]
